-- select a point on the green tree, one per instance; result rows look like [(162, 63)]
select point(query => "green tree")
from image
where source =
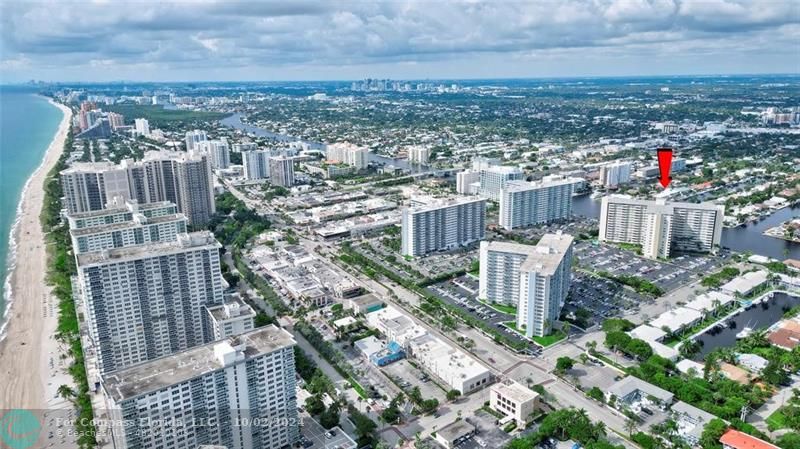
[(330, 417), (712, 432), (564, 364)]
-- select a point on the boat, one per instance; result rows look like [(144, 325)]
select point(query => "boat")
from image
[(596, 195), (744, 333)]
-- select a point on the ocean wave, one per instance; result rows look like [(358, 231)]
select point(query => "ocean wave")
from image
[(11, 258)]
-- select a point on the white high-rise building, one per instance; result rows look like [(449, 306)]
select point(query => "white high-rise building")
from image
[(347, 153), (244, 146), (147, 301), (418, 154), (256, 164), (661, 227), (142, 127), (238, 393), (125, 225), (466, 182), (615, 174), (281, 171), (90, 186), (442, 224), (528, 203), (195, 137), (218, 152), (544, 284), (493, 179), (499, 271)]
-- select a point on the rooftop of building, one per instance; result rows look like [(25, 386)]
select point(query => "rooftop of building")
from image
[(195, 240), (515, 391), (456, 430), (233, 308), (660, 203), (154, 375), (633, 384), (139, 220), (128, 207), (746, 282), (89, 167), (548, 254), (430, 203), (740, 440), (522, 186)]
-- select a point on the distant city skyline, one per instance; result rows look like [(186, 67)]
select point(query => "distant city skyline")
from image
[(310, 40)]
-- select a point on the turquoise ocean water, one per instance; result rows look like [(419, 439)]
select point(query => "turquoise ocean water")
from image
[(28, 124)]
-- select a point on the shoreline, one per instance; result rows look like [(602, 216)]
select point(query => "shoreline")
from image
[(32, 369)]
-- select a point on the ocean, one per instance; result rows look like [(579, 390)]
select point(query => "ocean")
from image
[(28, 124)]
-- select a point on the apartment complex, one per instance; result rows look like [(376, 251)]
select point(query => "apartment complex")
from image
[(256, 164), (533, 278), (281, 171), (660, 227), (91, 186), (418, 154), (442, 224), (614, 174), (147, 301), (529, 203), (183, 179), (127, 225), (494, 178), (218, 151), (238, 393), (347, 153), (193, 138)]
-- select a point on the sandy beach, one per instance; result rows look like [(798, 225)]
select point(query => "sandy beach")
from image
[(31, 368)]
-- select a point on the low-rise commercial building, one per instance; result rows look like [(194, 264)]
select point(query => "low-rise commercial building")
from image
[(515, 400), (454, 434)]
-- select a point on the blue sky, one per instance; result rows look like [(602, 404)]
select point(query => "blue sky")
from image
[(302, 39)]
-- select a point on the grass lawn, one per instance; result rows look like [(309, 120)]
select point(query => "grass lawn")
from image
[(511, 310), (776, 421), (545, 341)]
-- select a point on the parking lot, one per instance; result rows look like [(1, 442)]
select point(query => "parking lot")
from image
[(454, 293), (619, 261), (602, 298), (407, 377)]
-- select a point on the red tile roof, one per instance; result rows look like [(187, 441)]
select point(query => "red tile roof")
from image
[(740, 440)]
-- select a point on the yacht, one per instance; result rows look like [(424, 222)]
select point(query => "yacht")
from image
[(596, 195)]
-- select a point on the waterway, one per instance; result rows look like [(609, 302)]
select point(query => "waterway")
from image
[(759, 316), (741, 239), (235, 121)]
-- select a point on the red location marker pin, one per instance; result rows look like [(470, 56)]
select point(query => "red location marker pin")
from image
[(664, 166)]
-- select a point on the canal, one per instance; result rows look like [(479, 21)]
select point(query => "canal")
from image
[(235, 121), (741, 239), (758, 316)]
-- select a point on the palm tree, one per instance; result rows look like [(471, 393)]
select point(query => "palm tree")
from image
[(630, 426), (584, 358), (66, 392)]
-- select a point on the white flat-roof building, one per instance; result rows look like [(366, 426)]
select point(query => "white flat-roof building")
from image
[(634, 392), (528, 203), (710, 301), (281, 171), (90, 186), (677, 319), (691, 421), (494, 178), (745, 284), (687, 366), (466, 182), (256, 164), (218, 151), (126, 225), (515, 400), (661, 228), (453, 434), (348, 153), (615, 173), (442, 225), (193, 138), (147, 301), (647, 333), (231, 318), (544, 284), (457, 369), (228, 386), (499, 270)]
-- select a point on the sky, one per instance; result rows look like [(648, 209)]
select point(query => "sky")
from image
[(107, 40)]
